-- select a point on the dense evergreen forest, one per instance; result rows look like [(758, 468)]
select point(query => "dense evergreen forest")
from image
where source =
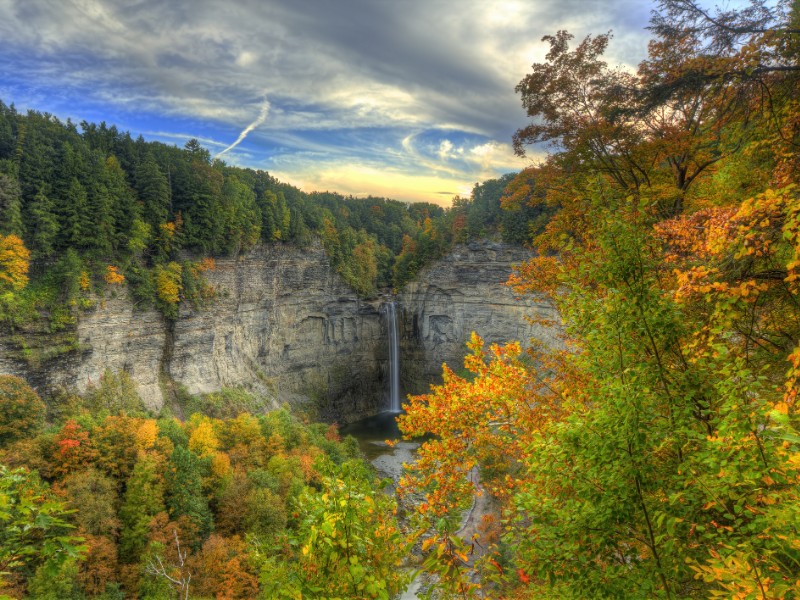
[(93, 206)]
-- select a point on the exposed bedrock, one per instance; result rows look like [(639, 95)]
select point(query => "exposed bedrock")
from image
[(461, 293), (286, 325)]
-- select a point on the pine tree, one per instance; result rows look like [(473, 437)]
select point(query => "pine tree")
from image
[(153, 190), (42, 225), (10, 206), (144, 499)]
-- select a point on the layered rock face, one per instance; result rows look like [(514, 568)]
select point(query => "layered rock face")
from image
[(459, 294), (283, 324)]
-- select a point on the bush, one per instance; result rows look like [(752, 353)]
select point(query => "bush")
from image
[(115, 394)]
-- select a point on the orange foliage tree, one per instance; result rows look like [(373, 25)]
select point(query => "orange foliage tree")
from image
[(661, 454)]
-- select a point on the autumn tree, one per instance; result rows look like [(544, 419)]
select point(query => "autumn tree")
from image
[(659, 457), (575, 96), (72, 450), (673, 113), (168, 286), (99, 572), (223, 569), (14, 263), (35, 530), (22, 411)]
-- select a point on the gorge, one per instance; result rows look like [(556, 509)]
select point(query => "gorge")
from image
[(285, 325)]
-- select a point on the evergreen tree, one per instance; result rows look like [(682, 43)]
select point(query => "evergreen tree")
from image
[(99, 204), (42, 225), (123, 206), (184, 493), (144, 499), (153, 190), (10, 206), (8, 122), (77, 225), (241, 214)]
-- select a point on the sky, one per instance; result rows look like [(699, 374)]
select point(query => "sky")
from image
[(406, 99)]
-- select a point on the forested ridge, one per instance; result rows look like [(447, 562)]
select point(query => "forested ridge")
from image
[(657, 453), (94, 207), (101, 498)]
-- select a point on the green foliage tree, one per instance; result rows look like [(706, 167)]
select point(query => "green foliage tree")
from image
[(93, 497), (242, 216), (35, 531), (183, 490), (153, 191), (22, 411), (10, 206), (349, 544), (144, 499), (115, 393), (42, 225)]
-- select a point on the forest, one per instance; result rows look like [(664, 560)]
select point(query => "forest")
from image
[(653, 453), (88, 206), (98, 499), (656, 452)]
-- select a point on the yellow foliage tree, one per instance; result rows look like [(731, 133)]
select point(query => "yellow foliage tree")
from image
[(203, 440), (14, 263), (169, 284)]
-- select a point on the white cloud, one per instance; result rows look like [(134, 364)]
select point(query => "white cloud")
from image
[(406, 67)]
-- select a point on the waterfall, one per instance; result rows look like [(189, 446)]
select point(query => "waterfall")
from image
[(394, 357)]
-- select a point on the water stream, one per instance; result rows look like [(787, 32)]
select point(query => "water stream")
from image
[(373, 432)]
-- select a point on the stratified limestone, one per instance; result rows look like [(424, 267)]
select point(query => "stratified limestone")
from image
[(464, 292), (285, 325)]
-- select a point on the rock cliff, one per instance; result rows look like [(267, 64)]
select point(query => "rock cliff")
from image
[(459, 294), (285, 324)]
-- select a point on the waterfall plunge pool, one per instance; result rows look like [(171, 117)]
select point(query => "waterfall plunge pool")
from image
[(372, 434)]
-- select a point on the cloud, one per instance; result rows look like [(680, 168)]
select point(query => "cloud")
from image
[(262, 116), (425, 87)]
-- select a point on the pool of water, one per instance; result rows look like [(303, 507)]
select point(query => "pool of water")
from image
[(372, 434)]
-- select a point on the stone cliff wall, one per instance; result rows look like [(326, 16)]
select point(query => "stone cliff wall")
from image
[(459, 294), (283, 324)]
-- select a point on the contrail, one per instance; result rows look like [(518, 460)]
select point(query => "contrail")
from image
[(262, 116)]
